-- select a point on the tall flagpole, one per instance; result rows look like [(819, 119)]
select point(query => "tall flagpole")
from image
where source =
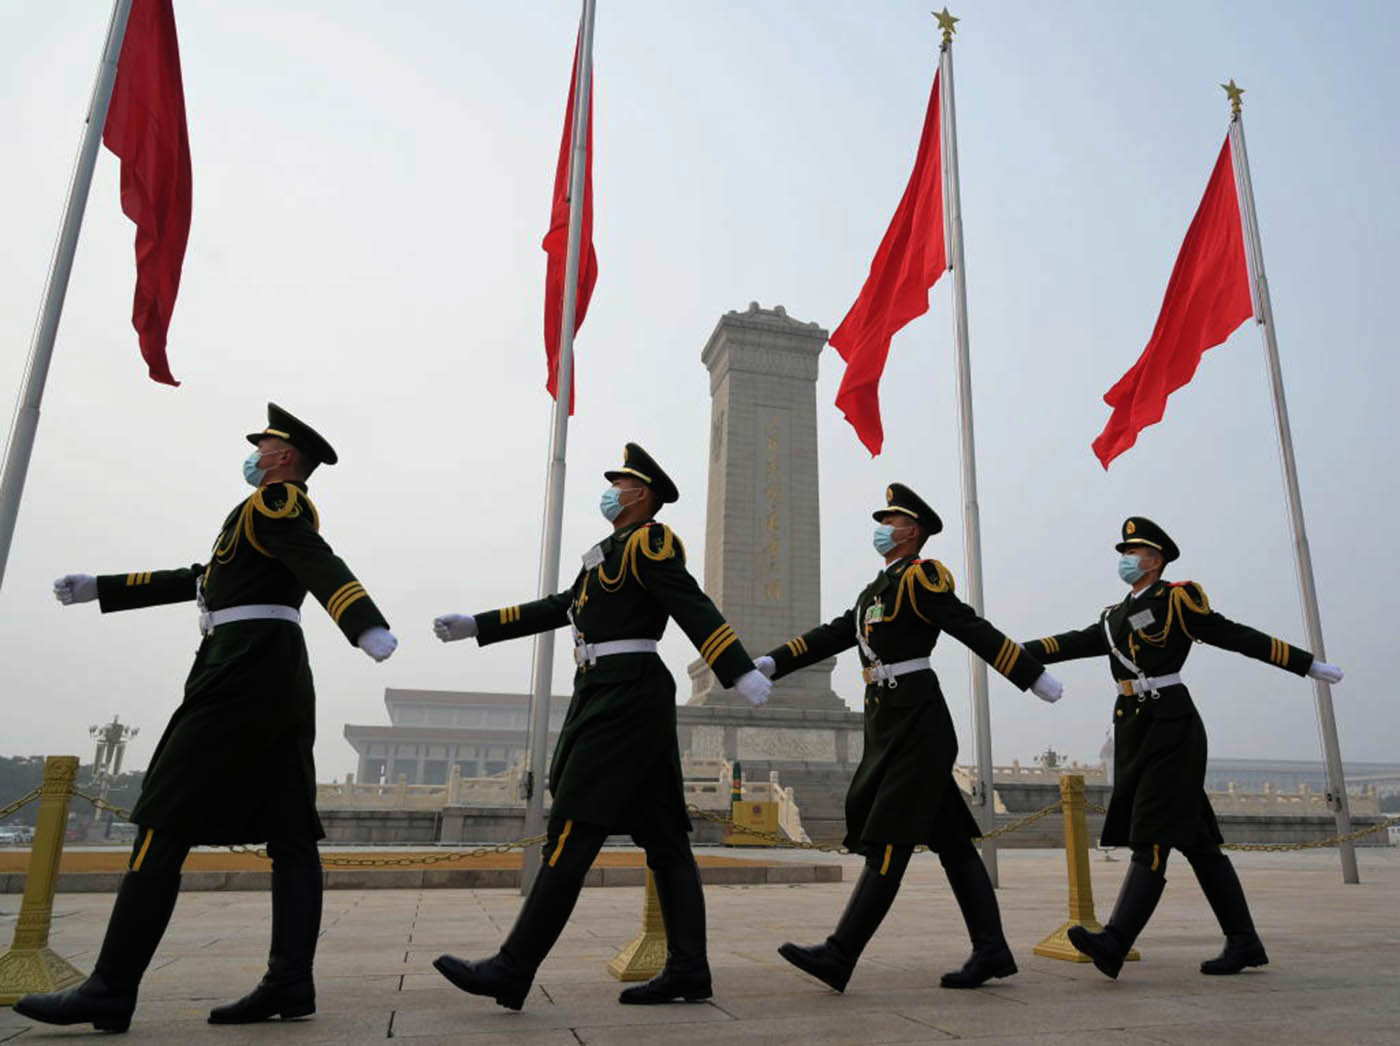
[(542, 675), (972, 526), (1312, 617), (26, 420)]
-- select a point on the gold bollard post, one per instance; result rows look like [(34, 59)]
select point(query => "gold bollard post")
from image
[(31, 965), (1081, 888), (643, 959)]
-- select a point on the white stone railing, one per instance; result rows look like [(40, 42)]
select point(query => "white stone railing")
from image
[(1272, 803), (499, 790), (708, 787)]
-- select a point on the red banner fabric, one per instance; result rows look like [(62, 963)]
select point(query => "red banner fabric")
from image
[(146, 129), (556, 242), (908, 263), (1207, 299)]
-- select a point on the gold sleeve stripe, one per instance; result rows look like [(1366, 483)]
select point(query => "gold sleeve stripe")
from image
[(1051, 644), (509, 615), (1279, 652), (1008, 656), (346, 594), (345, 603), (340, 593), (717, 636), (801, 645), (140, 577), (724, 645)]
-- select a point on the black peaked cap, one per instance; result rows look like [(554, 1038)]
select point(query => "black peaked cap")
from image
[(638, 464), (1139, 530), (899, 498), (286, 426)]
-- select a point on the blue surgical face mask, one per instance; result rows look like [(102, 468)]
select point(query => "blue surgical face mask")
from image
[(885, 539), (251, 472), (610, 504), (1130, 569)]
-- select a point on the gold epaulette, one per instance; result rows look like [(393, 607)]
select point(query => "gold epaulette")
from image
[(915, 578), (296, 503), (639, 544)]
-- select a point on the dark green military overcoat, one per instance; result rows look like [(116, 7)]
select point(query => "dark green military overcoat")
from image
[(1159, 741), (617, 763), (235, 763), (903, 792)]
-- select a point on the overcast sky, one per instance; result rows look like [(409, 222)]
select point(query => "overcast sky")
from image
[(371, 183)]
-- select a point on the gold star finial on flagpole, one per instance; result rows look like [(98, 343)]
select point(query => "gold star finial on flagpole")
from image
[(946, 22), (1235, 92)]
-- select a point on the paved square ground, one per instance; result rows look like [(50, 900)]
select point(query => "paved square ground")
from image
[(1334, 978)]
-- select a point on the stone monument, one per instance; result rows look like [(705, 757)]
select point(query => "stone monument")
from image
[(763, 563)]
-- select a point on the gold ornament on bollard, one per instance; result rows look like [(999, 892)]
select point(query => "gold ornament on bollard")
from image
[(643, 958), (1081, 889), (31, 965)]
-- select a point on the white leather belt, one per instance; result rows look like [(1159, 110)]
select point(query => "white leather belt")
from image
[(1129, 687), (212, 619), (880, 673), (588, 653)]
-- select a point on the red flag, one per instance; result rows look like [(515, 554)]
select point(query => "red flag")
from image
[(556, 241), (1207, 298), (910, 260), (146, 128)]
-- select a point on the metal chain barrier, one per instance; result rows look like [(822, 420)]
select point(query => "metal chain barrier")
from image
[(1311, 844), (19, 803)]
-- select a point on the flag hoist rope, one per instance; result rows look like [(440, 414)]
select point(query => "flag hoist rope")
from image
[(1312, 617), (972, 526), (541, 683), (26, 420)]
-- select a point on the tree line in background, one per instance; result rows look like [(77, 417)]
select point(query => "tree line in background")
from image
[(19, 774)]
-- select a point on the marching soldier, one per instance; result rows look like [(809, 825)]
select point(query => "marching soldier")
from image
[(903, 793), (1159, 745), (616, 764), (235, 763)]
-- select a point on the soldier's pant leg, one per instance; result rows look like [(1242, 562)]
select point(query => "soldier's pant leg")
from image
[(1137, 900), (681, 896), (1221, 885), (568, 853), (296, 908), (142, 911), (977, 900)]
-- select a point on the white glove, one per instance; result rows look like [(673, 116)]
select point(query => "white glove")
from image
[(1047, 688), (451, 627), (75, 588), (1327, 673), (765, 665), (753, 686), (377, 642)]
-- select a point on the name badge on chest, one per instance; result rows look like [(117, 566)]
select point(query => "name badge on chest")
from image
[(593, 557), (1142, 619), (874, 613)]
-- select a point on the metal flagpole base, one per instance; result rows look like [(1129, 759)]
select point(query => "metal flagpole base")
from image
[(644, 957), (27, 970)]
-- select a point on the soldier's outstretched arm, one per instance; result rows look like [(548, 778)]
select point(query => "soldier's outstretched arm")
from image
[(285, 526), (660, 563), (836, 636), (144, 588), (493, 626), (1189, 602), (931, 592), (1069, 646)]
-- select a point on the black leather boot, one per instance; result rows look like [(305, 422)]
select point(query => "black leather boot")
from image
[(507, 976), (833, 961), (107, 999), (686, 976), (1137, 900), (978, 902), (1223, 891), (287, 990)]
